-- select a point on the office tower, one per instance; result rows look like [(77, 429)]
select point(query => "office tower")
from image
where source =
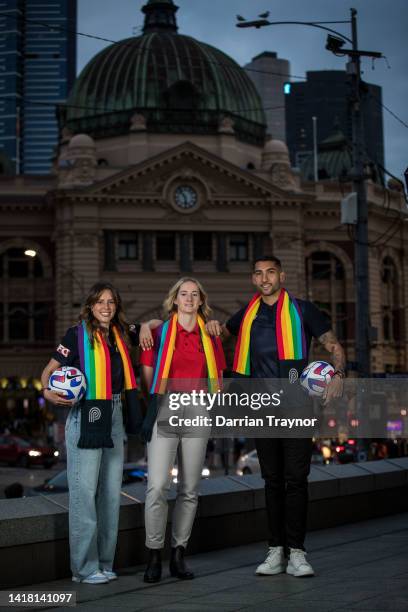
[(325, 95), (37, 70), (269, 74)]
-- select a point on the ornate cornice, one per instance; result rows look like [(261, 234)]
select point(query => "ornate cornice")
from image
[(24, 203), (322, 213), (186, 150)]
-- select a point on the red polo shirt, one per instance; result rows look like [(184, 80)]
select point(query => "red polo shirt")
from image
[(188, 357)]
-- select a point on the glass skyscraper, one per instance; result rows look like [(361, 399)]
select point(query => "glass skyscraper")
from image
[(325, 95), (37, 71)]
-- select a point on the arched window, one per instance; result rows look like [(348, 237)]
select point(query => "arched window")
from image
[(326, 287), (326, 266), (387, 327), (15, 264), (390, 291), (26, 310)]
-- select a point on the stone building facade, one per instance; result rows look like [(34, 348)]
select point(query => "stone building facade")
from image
[(139, 204)]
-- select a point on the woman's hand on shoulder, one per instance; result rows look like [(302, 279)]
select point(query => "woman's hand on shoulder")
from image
[(145, 337), (214, 328), (58, 399)]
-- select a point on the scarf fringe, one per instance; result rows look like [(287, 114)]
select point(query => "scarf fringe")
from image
[(91, 440)]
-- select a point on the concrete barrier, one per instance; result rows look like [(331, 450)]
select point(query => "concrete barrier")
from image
[(231, 512)]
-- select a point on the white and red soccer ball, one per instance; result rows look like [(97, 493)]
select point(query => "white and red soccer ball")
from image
[(68, 381), (315, 377)]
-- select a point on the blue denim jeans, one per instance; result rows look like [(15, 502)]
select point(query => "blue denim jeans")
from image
[(94, 480)]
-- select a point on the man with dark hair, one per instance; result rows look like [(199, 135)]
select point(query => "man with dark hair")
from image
[(285, 463), (267, 258)]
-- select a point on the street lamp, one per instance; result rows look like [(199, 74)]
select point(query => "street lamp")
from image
[(335, 43)]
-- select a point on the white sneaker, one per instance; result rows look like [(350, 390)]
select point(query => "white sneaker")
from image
[(95, 578), (110, 575), (297, 565), (274, 562)]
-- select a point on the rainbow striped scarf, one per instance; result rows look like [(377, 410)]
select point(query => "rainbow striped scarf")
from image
[(166, 341), (96, 364), (290, 335)]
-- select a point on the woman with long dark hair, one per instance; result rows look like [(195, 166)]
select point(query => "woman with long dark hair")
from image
[(98, 346), (185, 359)]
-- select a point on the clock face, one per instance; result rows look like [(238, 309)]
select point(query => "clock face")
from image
[(185, 197)]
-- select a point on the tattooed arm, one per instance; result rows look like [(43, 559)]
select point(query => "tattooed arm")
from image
[(335, 388), (333, 346)]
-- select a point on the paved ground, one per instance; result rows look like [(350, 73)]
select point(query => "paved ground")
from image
[(363, 566), (31, 477)]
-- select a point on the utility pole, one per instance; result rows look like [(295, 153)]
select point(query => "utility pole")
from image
[(315, 151), (362, 325), (335, 45)]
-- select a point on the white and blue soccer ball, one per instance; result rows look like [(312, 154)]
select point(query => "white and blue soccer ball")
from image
[(68, 381), (315, 377)]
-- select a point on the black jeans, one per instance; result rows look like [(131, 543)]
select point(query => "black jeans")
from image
[(285, 465)]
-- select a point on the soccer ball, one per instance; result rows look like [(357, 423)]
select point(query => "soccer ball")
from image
[(315, 377), (69, 381)]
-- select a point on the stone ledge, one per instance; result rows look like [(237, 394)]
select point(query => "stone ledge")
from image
[(34, 531)]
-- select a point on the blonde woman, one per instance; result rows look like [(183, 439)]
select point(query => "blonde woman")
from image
[(185, 353)]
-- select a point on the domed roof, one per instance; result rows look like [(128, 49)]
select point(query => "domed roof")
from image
[(276, 146), (179, 84), (81, 140), (335, 160)]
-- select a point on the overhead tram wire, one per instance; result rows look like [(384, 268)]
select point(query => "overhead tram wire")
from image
[(395, 224), (246, 110), (388, 110), (105, 109), (58, 27), (141, 51)]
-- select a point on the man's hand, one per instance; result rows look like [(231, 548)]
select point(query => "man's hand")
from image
[(334, 390), (214, 328)]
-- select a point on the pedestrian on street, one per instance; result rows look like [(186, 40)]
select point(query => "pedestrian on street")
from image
[(274, 334)]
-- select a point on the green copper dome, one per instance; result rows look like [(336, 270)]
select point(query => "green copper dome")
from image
[(179, 85), (335, 161), (334, 158)]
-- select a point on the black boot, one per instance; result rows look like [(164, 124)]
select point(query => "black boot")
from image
[(154, 568), (177, 564)]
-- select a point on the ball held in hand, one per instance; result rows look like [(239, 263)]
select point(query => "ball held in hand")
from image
[(69, 382), (315, 378)]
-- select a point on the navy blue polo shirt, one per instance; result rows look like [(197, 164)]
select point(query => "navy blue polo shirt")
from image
[(263, 347), (67, 354)]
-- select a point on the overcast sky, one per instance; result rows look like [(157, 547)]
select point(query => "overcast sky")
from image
[(382, 26)]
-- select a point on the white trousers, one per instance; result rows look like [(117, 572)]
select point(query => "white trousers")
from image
[(162, 454)]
